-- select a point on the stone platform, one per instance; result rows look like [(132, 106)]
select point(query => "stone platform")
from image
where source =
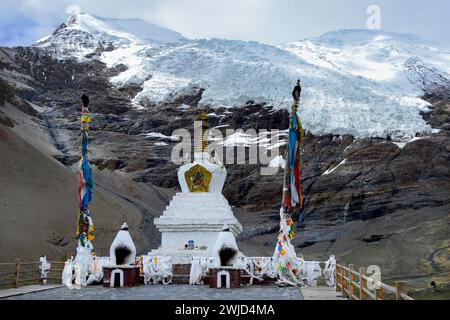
[(231, 278), (321, 293), (128, 276)]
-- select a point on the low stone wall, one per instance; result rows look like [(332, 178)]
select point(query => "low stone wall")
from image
[(181, 273), (130, 276), (235, 277)]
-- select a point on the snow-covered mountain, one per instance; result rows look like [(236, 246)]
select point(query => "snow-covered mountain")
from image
[(84, 33), (359, 82)]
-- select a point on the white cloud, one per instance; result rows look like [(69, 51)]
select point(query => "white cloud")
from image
[(73, 9), (41, 10)]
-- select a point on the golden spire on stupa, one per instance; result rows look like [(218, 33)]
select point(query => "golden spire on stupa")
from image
[(203, 143)]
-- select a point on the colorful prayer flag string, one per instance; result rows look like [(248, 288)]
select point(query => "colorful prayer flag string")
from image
[(292, 189), (85, 226), (285, 259)]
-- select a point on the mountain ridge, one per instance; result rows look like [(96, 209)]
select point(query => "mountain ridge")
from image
[(362, 88)]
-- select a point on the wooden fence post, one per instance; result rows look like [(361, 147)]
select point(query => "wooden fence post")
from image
[(378, 292), (399, 288), (16, 274), (344, 294), (351, 287), (362, 284), (338, 279)]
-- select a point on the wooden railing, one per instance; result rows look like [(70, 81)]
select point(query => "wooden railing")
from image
[(19, 273), (355, 285)]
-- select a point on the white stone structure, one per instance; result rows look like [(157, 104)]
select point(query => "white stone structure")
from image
[(124, 243), (196, 214), (226, 240)]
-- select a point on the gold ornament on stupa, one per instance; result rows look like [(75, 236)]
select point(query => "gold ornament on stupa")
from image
[(203, 143), (198, 177)]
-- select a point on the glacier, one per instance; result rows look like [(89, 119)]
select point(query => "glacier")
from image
[(359, 82)]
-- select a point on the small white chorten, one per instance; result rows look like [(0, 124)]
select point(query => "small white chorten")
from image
[(122, 251), (226, 251), (194, 218)]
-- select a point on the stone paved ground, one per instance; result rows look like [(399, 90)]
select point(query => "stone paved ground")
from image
[(171, 292), (321, 293), (25, 290)]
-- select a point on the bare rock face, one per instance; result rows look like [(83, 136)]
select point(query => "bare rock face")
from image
[(439, 117), (379, 178), (5, 120)]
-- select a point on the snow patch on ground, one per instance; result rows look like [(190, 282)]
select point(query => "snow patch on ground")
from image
[(277, 162), (184, 107), (329, 171), (158, 135), (401, 145), (239, 139)]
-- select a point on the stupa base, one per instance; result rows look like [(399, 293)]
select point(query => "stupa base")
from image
[(179, 256), (224, 277), (121, 276)]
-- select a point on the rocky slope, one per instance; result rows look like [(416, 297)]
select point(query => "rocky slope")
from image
[(367, 200)]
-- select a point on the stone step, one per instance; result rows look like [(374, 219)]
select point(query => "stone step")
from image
[(198, 210), (198, 221), (199, 194), (180, 279), (184, 205)]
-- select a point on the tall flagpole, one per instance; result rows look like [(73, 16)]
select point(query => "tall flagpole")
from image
[(85, 225), (285, 259)]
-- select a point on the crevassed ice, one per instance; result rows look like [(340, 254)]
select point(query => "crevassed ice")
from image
[(345, 91), (354, 82)]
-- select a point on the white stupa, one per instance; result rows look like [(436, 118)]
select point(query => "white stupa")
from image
[(196, 216)]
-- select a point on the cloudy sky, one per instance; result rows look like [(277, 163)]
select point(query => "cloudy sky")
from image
[(272, 21)]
